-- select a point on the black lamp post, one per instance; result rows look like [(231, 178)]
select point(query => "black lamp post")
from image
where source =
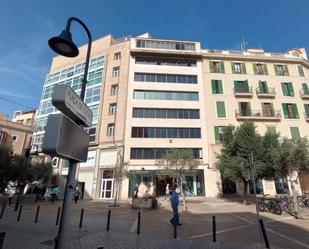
[(64, 45)]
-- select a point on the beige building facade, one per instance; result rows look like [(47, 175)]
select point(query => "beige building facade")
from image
[(150, 95)]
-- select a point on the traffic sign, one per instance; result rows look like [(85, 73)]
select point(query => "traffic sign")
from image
[(70, 104)]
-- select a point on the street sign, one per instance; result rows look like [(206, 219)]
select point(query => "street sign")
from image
[(70, 104), (65, 139)]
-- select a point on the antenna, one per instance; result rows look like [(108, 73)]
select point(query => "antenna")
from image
[(243, 44)]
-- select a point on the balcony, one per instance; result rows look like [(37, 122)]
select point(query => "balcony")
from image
[(265, 93), (243, 93), (257, 115), (303, 94)]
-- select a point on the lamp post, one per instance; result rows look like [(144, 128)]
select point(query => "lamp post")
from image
[(64, 45)]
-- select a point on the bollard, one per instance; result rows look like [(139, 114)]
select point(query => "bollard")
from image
[(37, 214), (81, 218), (58, 216), (214, 230), (138, 223), (108, 220), (264, 234), (175, 231), (19, 213), (17, 202), (2, 211), (100, 247), (2, 236)]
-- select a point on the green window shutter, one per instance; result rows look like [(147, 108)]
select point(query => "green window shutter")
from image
[(255, 69), (305, 88), (233, 67), (295, 133), (290, 89), (235, 86), (243, 68), (221, 109), (284, 89), (286, 70), (246, 85), (217, 135), (211, 67), (266, 87), (276, 70), (220, 87), (265, 69), (285, 110), (214, 86), (301, 71), (222, 67), (307, 110), (271, 129), (295, 110)]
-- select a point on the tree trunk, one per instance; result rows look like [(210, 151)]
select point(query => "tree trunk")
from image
[(182, 195), (116, 193), (295, 202), (245, 193)]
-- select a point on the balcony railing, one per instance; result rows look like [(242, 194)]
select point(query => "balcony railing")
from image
[(243, 92), (258, 115), (303, 95), (265, 93)]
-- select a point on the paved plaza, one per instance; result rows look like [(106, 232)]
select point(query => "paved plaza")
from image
[(236, 227)]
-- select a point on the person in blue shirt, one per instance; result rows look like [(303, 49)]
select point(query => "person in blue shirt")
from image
[(175, 204)]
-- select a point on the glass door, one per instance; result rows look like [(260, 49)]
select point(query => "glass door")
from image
[(106, 191)]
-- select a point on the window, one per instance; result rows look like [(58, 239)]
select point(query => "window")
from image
[(287, 89), (154, 132), (92, 95), (306, 106), (241, 86), (290, 110), (268, 110), (305, 89), (166, 95), (116, 71), (95, 114), (28, 121), (112, 109), (117, 56), (217, 87), (92, 133), (165, 45), (239, 68), (165, 78), (95, 77), (3, 137), (263, 88), (158, 153), (46, 108), (244, 109), (295, 134), (219, 134), (271, 129), (114, 89), (221, 109), (165, 61), (281, 70), (260, 69), (166, 113), (216, 67), (14, 138), (301, 71), (110, 129)]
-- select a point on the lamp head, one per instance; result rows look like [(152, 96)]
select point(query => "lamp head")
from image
[(63, 44)]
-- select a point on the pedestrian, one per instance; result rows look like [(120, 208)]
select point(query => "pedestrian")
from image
[(77, 193), (54, 194), (10, 193), (167, 191), (175, 204)]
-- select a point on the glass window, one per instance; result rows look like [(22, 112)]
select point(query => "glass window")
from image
[(117, 56), (114, 89), (92, 95), (110, 129), (116, 72), (95, 114)]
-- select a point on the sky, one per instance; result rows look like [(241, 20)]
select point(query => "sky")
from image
[(26, 26)]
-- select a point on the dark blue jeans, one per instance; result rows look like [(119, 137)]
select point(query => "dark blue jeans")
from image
[(175, 219)]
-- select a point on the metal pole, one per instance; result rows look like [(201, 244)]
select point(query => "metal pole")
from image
[(2, 236), (19, 213), (264, 234), (58, 216), (175, 231), (108, 220), (252, 171), (64, 229), (37, 214), (81, 218), (139, 223), (2, 211), (214, 229)]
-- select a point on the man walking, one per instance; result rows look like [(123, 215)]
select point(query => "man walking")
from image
[(175, 203)]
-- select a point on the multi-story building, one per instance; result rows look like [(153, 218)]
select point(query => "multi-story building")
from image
[(149, 95), (17, 135)]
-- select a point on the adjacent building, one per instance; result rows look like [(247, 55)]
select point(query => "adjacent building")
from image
[(150, 95)]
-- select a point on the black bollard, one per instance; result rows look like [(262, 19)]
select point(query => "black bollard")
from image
[(17, 202), (19, 213), (81, 218), (2, 236), (264, 234), (100, 247), (2, 211), (175, 231), (108, 220), (138, 223), (58, 216), (37, 214), (214, 230)]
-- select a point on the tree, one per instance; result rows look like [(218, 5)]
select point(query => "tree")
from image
[(292, 157), (181, 161), (120, 172), (233, 161), (5, 154)]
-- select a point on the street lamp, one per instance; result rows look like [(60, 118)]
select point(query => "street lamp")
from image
[(64, 45)]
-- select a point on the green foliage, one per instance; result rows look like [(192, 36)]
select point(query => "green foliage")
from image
[(5, 153)]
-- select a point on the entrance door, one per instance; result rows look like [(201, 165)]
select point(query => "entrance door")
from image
[(106, 189)]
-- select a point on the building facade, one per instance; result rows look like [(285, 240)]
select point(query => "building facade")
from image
[(149, 95)]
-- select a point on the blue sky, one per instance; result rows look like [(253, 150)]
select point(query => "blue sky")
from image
[(26, 25)]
